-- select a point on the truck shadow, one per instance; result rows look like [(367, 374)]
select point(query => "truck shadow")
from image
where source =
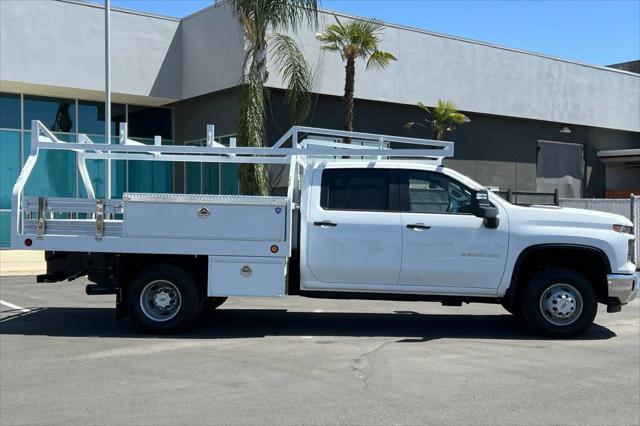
[(408, 326)]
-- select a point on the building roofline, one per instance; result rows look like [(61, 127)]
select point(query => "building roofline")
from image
[(217, 3), (121, 10), (482, 43)]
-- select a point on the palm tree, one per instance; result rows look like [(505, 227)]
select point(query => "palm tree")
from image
[(441, 119), (355, 40), (257, 18)]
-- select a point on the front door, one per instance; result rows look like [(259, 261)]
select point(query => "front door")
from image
[(444, 244), (353, 231)]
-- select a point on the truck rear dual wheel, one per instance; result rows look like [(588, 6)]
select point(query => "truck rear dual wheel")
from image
[(164, 299), (559, 302)]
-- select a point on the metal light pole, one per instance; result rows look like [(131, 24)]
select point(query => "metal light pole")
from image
[(107, 90)]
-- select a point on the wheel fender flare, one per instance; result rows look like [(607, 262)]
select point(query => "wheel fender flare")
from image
[(512, 290)]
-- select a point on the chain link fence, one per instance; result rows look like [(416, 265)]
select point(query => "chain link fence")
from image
[(525, 198), (627, 207)]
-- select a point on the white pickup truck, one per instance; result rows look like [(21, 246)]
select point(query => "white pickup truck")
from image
[(360, 220)]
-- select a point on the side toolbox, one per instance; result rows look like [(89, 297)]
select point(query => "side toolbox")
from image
[(202, 217), (246, 276)]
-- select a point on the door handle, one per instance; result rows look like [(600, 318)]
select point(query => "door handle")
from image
[(325, 223), (418, 226)]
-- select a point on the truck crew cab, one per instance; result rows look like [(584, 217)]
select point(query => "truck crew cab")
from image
[(360, 220)]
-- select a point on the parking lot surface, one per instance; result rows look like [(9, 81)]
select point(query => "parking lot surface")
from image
[(306, 361)]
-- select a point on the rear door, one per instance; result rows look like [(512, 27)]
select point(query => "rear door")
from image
[(354, 231)]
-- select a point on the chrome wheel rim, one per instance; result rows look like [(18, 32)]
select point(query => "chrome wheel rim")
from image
[(561, 304), (160, 300)]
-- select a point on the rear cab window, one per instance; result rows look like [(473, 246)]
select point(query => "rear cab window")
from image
[(359, 189)]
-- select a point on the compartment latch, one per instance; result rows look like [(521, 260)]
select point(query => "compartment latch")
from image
[(42, 204), (99, 218)]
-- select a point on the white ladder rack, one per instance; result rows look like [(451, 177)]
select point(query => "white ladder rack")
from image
[(297, 145), (302, 141)]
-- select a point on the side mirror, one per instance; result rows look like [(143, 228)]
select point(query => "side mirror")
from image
[(484, 209), (490, 215)]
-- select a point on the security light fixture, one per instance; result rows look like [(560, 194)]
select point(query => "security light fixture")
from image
[(565, 130)]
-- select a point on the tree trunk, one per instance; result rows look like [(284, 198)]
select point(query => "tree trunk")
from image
[(349, 83), (253, 178), (258, 68), (436, 133)]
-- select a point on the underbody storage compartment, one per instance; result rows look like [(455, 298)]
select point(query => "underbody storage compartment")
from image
[(233, 217), (246, 276)]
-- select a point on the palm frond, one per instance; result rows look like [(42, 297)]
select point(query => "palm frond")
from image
[(356, 39), (442, 117), (423, 107), (280, 14), (408, 125), (295, 72), (333, 38), (380, 59), (258, 17), (459, 118)]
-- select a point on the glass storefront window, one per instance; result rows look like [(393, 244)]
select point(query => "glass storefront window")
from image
[(147, 176), (118, 178), (146, 122), (211, 178), (9, 111), (193, 173), (97, 173), (229, 179), (228, 173), (193, 178), (91, 117), (9, 164), (55, 172), (59, 115), (5, 234)]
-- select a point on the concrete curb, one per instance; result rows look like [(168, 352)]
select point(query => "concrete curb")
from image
[(22, 262)]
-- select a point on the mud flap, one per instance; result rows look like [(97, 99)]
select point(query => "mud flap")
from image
[(121, 305)]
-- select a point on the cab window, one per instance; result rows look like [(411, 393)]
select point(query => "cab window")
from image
[(357, 189), (432, 192)]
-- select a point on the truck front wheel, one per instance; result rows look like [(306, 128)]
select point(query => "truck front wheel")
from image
[(559, 302), (164, 299)]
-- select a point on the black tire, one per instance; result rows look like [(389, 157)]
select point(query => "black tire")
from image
[(565, 291), (176, 289), (212, 303)]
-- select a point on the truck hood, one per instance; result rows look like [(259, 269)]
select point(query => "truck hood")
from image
[(573, 217)]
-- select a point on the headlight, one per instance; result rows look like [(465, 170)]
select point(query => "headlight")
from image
[(623, 229)]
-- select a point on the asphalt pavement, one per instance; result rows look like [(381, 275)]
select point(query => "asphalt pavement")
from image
[(65, 360)]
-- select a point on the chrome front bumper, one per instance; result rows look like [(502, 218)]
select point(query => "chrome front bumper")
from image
[(624, 288)]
